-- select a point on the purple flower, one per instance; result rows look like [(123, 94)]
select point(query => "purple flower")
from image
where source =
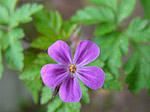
[(69, 69)]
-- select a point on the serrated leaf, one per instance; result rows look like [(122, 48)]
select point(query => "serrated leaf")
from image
[(93, 15), (23, 14), (11, 36), (4, 15), (46, 95), (13, 51), (146, 6), (137, 68), (69, 107), (48, 23), (14, 55), (56, 29), (56, 103), (9, 4), (108, 3), (32, 71), (98, 62), (85, 95), (138, 30), (111, 51), (111, 83), (124, 45), (35, 87), (1, 65), (104, 28), (125, 9)]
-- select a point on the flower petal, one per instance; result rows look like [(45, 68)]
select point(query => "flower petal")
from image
[(60, 52), (93, 77), (70, 90), (86, 52), (53, 74)]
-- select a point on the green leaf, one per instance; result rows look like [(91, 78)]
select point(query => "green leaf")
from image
[(56, 29), (108, 3), (4, 15), (146, 6), (104, 28), (35, 87), (56, 103), (111, 83), (125, 9), (85, 95), (139, 30), (1, 65), (32, 71), (48, 23), (13, 49), (11, 36), (111, 44), (98, 62), (23, 14), (46, 95), (137, 68), (9, 4), (93, 15), (14, 55), (69, 107)]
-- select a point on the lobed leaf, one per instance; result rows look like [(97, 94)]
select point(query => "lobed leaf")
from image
[(108, 3), (85, 95), (46, 95), (138, 30), (51, 28), (146, 7), (111, 83), (112, 44), (9, 4), (104, 29), (125, 9), (34, 87), (23, 14), (137, 68), (4, 15), (93, 15)]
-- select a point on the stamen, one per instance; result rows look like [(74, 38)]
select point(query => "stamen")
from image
[(72, 68)]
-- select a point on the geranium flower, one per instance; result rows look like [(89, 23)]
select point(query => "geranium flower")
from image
[(69, 70)]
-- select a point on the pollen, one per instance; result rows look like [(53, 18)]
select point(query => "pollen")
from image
[(72, 68)]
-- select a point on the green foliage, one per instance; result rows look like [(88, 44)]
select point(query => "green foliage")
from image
[(125, 9), (139, 30), (46, 95), (51, 28), (31, 74), (85, 95), (23, 14), (11, 32), (93, 15), (58, 105), (137, 68), (104, 29), (107, 11), (146, 6), (107, 3), (111, 83), (112, 44)]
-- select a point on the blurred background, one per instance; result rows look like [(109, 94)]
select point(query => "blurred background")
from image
[(15, 97)]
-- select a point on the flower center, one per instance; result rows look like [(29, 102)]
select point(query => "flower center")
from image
[(72, 68)]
